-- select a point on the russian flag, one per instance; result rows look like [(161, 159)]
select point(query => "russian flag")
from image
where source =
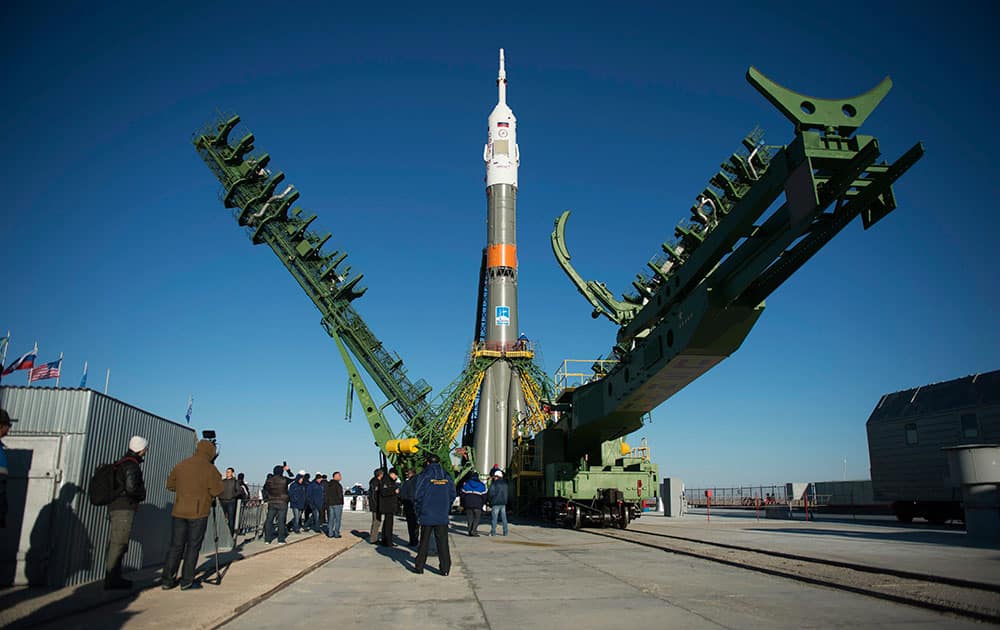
[(25, 362)]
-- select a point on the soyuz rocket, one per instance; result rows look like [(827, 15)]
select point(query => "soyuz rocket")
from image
[(501, 400)]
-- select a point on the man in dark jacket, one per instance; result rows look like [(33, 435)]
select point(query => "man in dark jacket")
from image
[(432, 498), (497, 497), (275, 493), (374, 485), (230, 493), (334, 505), (131, 491), (244, 488), (388, 504), (473, 499), (323, 511), (406, 492), (297, 499), (196, 482), (314, 499)]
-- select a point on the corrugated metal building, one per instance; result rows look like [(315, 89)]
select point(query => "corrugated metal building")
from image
[(58, 439), (908, 429)]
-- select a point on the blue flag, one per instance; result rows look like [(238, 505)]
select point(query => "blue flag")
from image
[(83, 381), (190, 408)]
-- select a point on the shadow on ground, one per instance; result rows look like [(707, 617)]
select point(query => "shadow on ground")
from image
[(87, 596), (911, 535)]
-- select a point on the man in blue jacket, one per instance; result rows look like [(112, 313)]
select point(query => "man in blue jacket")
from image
[(315, 494), (432, 498), (473, 499), (297, 499)]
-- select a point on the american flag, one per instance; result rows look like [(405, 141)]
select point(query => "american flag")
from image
[(46, 371)]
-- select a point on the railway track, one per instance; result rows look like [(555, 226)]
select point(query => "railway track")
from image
[(967, 598)]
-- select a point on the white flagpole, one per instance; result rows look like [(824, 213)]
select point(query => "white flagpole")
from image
[(35, 350), (106, 379), (60, 370), (3, 360)]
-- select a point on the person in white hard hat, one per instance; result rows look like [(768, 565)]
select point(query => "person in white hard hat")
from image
[(131, 491)]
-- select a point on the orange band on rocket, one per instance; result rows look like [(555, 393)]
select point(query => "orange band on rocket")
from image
[(501, 256)]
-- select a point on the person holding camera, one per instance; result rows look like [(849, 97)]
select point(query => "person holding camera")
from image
[(230, 494), (196, 482), (275, 494)]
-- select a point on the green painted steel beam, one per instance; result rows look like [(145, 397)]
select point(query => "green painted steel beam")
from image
[(262, 207), (765, 213)]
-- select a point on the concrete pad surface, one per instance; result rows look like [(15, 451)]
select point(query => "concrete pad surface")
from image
[(917, 547), (212, 605), (540, 577)]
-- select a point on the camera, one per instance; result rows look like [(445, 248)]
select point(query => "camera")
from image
[(209, 435)]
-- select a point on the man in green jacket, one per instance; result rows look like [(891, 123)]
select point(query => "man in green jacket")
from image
[(196, 482)]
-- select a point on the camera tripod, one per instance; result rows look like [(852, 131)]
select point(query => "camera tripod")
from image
[(215, 527)]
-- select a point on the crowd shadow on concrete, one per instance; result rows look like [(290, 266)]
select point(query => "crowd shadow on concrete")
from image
[(406, 556), (357, 533), (921, 536), (212, 574), (399, 554), (84, 597), (91, 596), (58, 524)]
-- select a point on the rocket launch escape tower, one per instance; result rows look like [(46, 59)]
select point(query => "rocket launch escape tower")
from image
[(766, 212)]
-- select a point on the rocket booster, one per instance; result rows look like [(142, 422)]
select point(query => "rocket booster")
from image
[(501, 157), (501, 400)]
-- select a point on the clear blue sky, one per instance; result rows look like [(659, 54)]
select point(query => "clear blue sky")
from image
[(119, 252)]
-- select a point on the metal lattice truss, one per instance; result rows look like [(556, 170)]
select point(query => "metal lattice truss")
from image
[(266, 209)]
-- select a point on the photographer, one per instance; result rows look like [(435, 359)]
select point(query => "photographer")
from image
[(230, 493), (275, 493), (197, 482)]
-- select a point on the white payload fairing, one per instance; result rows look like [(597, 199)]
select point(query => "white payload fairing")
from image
[(500, 152), (501, 400)]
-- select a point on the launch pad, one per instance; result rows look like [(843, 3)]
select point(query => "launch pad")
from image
[(542, 575), (760, 218)]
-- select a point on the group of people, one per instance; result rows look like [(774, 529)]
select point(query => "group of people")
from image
[(476, 496), (314, 502), (196, 484), (426, 500)]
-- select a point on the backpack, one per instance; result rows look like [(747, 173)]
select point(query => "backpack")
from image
[(104, 487)]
